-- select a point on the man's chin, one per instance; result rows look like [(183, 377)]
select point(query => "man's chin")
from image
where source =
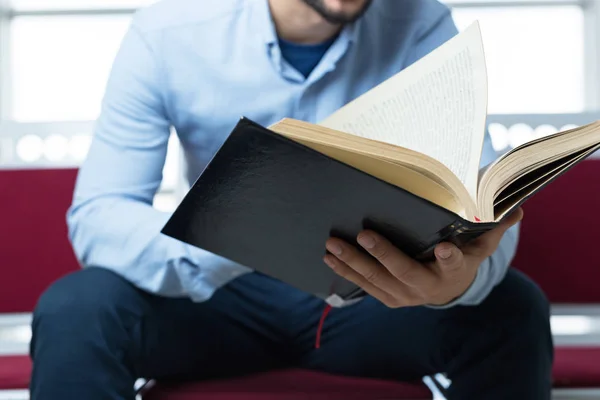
[(337, 16)]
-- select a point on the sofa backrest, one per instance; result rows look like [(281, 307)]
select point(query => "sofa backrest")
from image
[(35, 249), (560, 232)]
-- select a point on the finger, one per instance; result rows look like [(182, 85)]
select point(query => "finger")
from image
[(485, 245), (368, 267), (404, 268), (450, 259), (343, 270)]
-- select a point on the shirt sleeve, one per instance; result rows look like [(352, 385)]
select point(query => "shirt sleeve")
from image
[(112, 223), (494, 268)]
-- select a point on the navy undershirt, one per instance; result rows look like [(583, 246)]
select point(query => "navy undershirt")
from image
[(304, 57)]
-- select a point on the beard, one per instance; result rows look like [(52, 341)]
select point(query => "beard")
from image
[(335, 17)]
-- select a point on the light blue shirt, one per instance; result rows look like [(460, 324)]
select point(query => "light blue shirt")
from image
[(198, 66)]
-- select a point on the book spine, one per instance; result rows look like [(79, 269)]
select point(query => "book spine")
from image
[(446, 234), (466, 232)]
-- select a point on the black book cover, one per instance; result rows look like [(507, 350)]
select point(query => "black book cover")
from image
[(270, 203)]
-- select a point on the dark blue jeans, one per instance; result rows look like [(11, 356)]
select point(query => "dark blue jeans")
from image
[(94, 334)]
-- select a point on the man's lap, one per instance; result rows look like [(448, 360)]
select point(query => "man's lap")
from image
[(370, 339), (255, 323)]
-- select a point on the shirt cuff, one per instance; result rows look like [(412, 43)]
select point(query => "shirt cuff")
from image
[(475, 293)]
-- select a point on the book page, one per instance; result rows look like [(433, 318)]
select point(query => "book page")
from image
[(437, 106)]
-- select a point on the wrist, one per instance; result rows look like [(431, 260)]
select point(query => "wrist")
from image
[(471, 296)]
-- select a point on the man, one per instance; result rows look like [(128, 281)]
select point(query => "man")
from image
[(148, 306)]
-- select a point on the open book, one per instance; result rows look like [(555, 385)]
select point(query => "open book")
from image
[(403, 159), (423, 130)]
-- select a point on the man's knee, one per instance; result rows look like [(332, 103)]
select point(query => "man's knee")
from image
[(523, 298), (523, 308), (87, 291), (505, 344), (83, 302), (511, 325)]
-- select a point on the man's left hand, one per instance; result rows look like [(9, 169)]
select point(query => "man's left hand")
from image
[(397, 280)]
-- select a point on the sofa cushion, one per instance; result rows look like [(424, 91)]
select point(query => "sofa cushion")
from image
[(14, 372), (290, 385), (577, 367)]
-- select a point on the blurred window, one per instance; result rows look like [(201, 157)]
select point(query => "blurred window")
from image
[(535, 57), (36, 5), (59, 65)]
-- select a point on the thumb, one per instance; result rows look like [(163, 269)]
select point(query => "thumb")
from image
[(487, 243), (449, 257)]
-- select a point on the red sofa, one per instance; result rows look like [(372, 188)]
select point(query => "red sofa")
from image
[(556, 249)]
